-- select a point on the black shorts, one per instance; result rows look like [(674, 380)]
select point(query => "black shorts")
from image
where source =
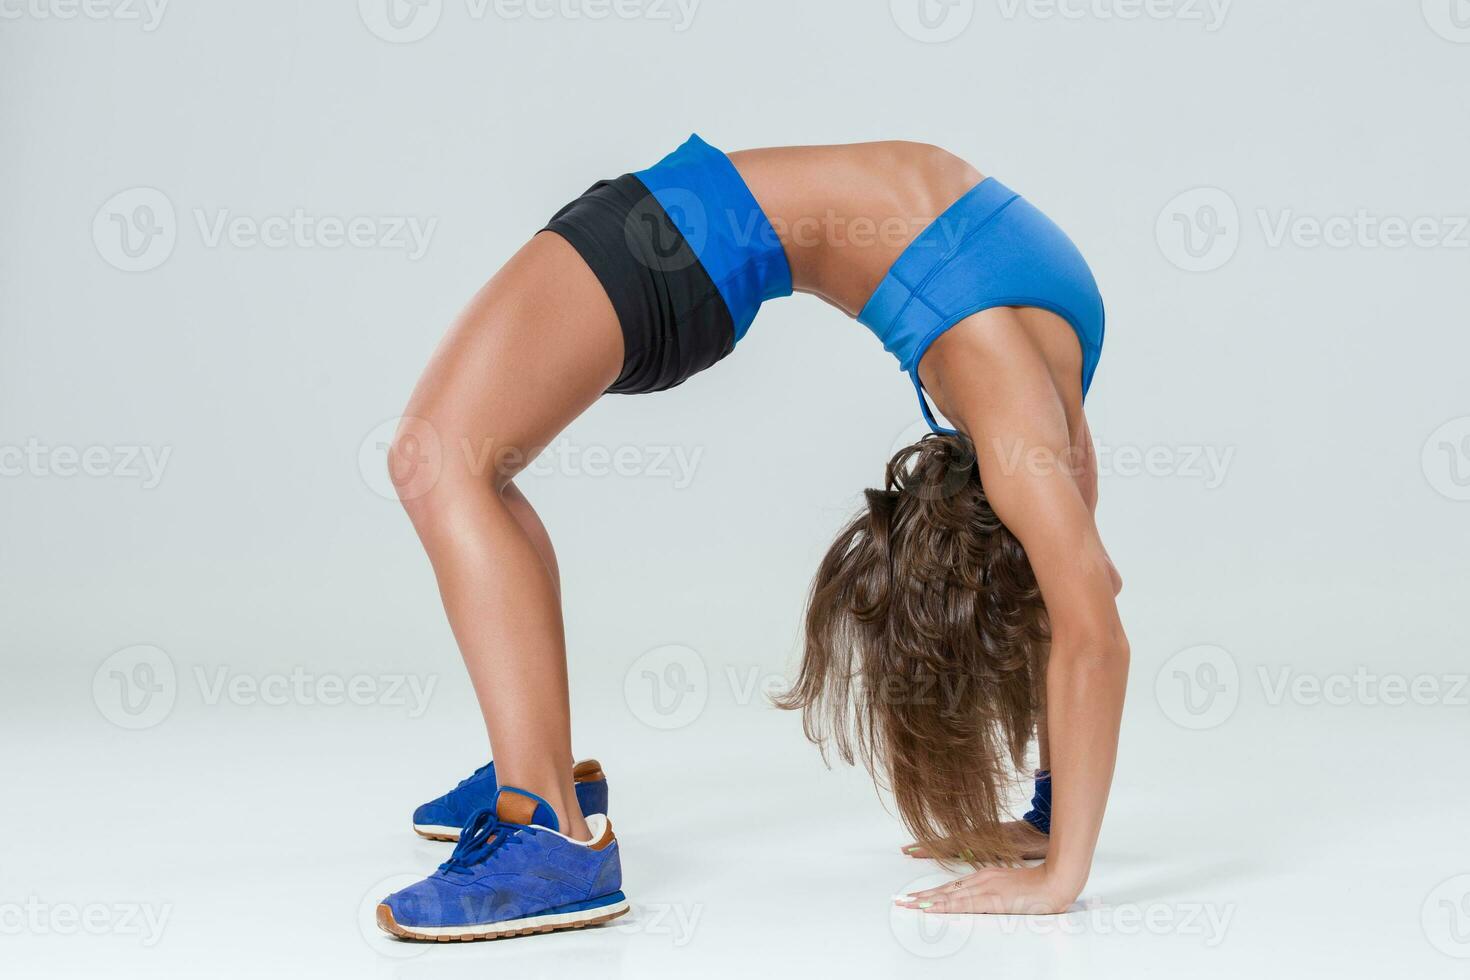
[(686, 256)]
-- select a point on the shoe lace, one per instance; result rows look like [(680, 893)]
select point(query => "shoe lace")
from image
[(482, 838)]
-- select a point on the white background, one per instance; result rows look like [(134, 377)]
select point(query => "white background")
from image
[(1284, 421)]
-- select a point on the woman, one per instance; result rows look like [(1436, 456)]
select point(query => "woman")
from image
[(973, 592)]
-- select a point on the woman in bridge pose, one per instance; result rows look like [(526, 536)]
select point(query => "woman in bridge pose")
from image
[(967, 610)]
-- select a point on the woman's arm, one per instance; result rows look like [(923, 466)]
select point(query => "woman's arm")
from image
[(1008, 404)]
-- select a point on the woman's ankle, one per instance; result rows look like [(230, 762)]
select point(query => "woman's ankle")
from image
[(559, 794)]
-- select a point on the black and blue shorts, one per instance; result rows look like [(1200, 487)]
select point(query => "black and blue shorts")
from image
[(686, 256)]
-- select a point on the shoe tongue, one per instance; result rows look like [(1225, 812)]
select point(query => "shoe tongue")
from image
[(518, 806)]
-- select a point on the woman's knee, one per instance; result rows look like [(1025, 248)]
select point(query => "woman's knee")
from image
[(437, 473)]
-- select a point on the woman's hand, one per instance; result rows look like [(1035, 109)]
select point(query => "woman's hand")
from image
[(1005, 891)]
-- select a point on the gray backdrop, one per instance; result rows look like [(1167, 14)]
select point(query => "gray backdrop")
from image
[(234, 232)]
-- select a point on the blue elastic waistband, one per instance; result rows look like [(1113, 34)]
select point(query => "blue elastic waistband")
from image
[(708, 201)]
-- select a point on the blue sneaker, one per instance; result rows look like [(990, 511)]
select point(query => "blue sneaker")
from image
[(441, 819), (513, 873)]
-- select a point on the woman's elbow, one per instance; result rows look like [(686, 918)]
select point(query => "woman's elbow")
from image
[(1104, 647)]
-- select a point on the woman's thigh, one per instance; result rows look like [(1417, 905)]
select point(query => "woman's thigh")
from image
[(537, 345)]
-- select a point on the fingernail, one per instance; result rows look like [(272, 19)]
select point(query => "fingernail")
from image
[(926, 905)]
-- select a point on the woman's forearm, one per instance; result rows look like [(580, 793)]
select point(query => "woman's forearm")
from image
[(1084, 696)]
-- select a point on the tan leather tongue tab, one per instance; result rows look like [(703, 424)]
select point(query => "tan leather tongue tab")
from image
[(513, 807), (587, 770)]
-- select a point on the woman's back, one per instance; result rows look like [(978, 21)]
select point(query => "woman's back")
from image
[(846, 212)]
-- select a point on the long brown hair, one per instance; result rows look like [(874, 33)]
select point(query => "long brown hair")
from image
[(926, 640)]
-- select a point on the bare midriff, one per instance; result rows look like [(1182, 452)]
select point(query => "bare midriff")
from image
[(845, 213)]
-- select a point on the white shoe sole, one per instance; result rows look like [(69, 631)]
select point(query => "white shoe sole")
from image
[(498, 930), (436, 832)]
